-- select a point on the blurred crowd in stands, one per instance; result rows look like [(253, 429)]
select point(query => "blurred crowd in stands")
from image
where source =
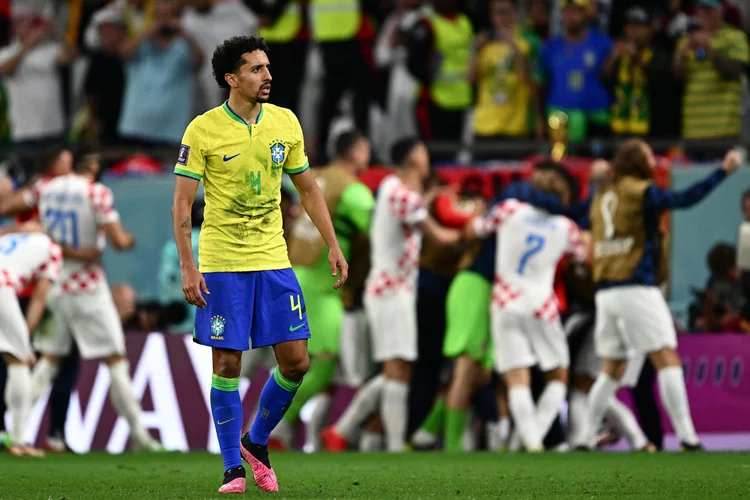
[(135, 72)]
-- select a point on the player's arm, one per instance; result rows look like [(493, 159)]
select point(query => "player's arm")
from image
[(108, 220), (89, 255), (297, 166), (485, 225), (37, 303), (191, 164), (314, 204), (117, 235), (577, 246), (46, 274), (21, 201), (659, 199), (440, 235)]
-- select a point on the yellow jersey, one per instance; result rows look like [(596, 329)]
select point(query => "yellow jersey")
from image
[(240, 165), (503, 106)]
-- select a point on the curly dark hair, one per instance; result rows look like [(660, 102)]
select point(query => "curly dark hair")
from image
[(227, 57)]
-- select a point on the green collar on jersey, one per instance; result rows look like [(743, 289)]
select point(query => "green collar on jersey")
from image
[(234, 116)]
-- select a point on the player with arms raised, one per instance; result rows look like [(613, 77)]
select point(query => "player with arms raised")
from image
[(631, 313), (245, 289), (24, 259)]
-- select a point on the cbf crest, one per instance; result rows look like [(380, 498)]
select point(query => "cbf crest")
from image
[(278, 152), (218, 323)]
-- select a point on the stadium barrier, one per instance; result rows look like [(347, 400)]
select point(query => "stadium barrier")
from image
[(171, 377)]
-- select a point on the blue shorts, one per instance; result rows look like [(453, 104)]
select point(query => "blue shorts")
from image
[(266, 307)]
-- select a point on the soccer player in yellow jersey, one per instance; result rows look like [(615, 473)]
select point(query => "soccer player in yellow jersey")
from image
[(245, 289)]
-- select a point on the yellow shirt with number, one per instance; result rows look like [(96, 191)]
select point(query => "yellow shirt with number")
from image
[(503, 94), (240, 165), (712, 104)]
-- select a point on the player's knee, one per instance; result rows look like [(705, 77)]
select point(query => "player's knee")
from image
[(296, 367)]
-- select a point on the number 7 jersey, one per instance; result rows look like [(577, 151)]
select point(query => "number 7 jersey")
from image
[(530, 243), (73, 210)]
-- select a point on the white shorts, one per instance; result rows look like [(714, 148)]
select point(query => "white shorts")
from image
[(522, 341), (88, 317), (14, 335), (355, 357), (393, 326), (588, 363), (632, 318), (252, 359)]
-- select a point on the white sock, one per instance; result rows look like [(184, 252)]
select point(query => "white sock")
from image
[(674, 396), (370, 442), (599, 396), (364, 403), (394, 413), (497, 433), (469, 440), (522, 410), (18, 399), (577, 414), (626, 423), (548, 406), (126, 406), (423, 439), (41, 377), (317, 421)]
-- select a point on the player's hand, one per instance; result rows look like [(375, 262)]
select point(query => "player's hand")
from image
[(339, 267), (732, 161), (192, 286)]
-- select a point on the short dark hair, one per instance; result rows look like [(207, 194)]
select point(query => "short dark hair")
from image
[(403, 148), (346, 141), (227, 57), (721, 259), (630, 160), (47, 158)]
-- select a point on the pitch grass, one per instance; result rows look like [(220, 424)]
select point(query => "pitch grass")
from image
[(380, 476)]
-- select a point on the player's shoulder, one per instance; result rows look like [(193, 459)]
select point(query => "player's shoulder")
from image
[(279, 116)]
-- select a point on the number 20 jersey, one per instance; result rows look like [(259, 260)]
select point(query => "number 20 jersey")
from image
[(73, 210), (530, 243)]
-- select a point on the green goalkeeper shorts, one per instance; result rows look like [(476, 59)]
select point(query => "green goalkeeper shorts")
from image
[(325, 313), (467, 311)]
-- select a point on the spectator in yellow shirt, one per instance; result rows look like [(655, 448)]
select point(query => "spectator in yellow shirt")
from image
[(710, 59), (502, 73)]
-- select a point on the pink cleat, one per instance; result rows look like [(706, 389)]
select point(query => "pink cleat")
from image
[(257, 457), (234, 481), (236, 485)]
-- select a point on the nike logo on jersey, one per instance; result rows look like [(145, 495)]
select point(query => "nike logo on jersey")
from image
[(225, 421), (295, 328), (230, 157)]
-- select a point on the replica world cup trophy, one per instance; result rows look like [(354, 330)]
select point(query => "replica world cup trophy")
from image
[(558, 134)]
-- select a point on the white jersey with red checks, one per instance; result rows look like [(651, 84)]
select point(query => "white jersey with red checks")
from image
[(530, 243), (26, 258), (73, 210), (395, 240)]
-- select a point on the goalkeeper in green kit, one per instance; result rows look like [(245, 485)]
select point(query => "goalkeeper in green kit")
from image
[(350, 203)]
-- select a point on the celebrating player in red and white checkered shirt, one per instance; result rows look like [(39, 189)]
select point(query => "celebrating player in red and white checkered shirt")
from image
[(25, 259), (79, 214)]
